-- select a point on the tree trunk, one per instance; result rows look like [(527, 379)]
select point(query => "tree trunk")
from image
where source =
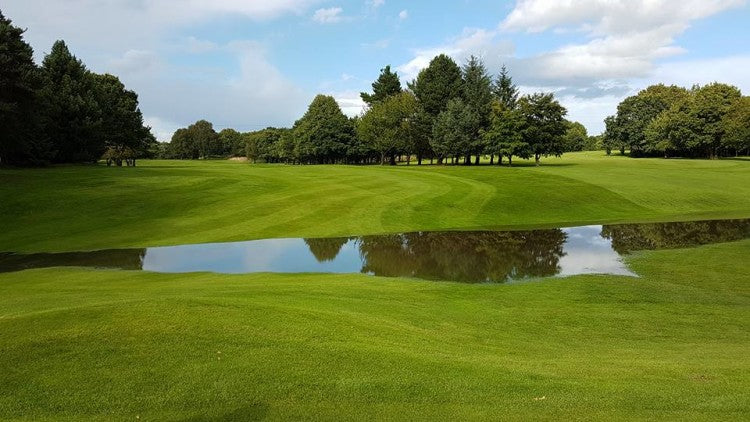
[(393, 160), (510, 161), (500, 159), (492, 159), (382, 158), (476, 160), (419, 159)]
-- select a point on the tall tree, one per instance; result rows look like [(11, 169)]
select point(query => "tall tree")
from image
[(575, 137), (232, 143), (324, 133), (712, 104), (121, 122), (451, 133), (504, 137), (387, 126), (386, 85), (22, 141), (737, 127), (477, 95), (505, 90), (543, 124), (72, 114), (436, 85)]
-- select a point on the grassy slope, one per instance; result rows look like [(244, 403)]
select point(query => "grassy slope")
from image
[(111, 345), (161, 203)]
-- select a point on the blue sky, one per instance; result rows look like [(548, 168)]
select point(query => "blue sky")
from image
[(250, 64)]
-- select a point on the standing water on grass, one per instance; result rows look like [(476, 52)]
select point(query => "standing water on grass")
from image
[(473, 256)]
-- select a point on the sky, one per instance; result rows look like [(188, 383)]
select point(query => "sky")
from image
[(250, 64)]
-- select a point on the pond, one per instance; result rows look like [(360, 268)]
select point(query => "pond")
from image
[(466, 256)]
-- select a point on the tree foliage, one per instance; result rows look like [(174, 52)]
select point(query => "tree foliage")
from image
[(543, 124), (387, 126), (324, 134), (386, 85)]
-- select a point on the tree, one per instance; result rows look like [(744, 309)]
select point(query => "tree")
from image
[(505, 90), (437, 84), (387, 126), (232, 143), (737, 127), (196, 141), (386, 85), (712, 104), (23, 142), (576, 137), (121, 125), (451, 133), (543, 124), (72, 114), (477, 95), (504, 137), (636, 112), (324, 133), (435, 87)]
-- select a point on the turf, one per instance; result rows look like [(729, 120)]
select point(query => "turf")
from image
[(113, 345), (84, 344), (166, 203)]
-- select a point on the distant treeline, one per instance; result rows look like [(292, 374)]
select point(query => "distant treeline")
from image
[(60, 112), (705, 121), (448, 114)]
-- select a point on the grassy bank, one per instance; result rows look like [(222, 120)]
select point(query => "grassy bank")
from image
[(174, 202), (113, 345)]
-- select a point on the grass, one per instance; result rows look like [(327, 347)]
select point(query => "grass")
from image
[(166, 203), (112, 345), (84, 344)]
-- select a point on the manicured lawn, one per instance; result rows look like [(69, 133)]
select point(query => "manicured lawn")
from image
[(84, 344), (166, 203), (112, 345)]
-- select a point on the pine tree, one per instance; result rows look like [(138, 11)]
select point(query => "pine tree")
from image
[(386, 85), (505, 90), (21, 142)]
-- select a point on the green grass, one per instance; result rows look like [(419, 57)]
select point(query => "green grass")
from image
[(166, 203), (112, 345), (84, 344)]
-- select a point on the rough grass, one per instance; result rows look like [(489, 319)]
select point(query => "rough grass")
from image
[(166, 203), (113, 345)]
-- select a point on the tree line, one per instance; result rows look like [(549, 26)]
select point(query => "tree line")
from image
[(61, 112), (448, 114), (707, 121)]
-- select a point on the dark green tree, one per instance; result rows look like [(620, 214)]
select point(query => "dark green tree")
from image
[(232, 143), (121, 125), (386, 126), (477, 95), (72, 114), (737, 127), (451, 133), (21, 140), (576, 137), (324, 134), (505, 90), (437, 84), (386, 85), (543, 124), (504, 137)]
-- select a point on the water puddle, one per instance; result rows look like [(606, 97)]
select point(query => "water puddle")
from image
[(478, 256)]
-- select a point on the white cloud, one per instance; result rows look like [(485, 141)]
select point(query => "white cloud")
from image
[(479, 42), (403, 14), (350, 102), (329, 15), (135, 61), (375, 3), (627, 36)]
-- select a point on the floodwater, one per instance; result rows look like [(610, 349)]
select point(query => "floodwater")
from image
[(477, 256)]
